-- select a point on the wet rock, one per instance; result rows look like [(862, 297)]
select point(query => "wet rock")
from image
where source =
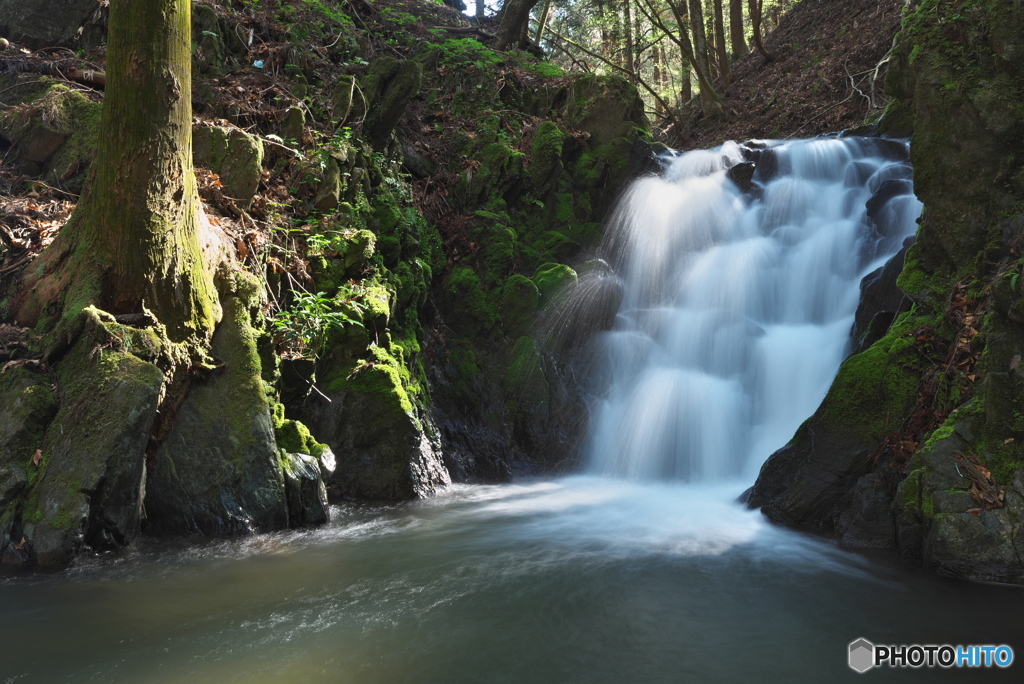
[(881, 301), (384, 448), (218, 470), (743, 176), (867, 522), (304, 491), (877, 203)]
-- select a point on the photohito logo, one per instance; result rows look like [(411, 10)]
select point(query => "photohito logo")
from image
[(865, 655)]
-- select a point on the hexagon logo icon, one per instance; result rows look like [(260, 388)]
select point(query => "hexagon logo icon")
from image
[(862, 655)]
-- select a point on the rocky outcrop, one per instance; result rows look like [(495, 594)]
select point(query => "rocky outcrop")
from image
[(44, 23), (218, 470), (75, 464), (918, 445)]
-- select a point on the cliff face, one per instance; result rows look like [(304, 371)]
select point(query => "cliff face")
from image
[(918, 445)]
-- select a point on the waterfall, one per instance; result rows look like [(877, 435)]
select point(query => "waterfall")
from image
[(738, 294)]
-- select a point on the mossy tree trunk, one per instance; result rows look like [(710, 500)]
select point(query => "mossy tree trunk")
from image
[(515, 20), (133, 239)]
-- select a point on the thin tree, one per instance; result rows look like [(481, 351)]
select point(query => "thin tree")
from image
[(754, 7), (132, 240), (736, 33), (721, 51), (711, 102)]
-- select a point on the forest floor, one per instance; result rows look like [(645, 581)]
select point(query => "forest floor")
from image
[(827, 74)]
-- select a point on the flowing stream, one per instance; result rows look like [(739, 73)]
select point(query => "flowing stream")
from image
[(735, 315)]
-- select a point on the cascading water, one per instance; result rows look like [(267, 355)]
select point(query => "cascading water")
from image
[(738, 303), (734, 314)]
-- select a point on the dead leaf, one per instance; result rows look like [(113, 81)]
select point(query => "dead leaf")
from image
[(21, 545), (38, 458)]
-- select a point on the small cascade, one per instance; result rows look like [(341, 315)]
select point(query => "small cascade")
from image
[(740, 270)]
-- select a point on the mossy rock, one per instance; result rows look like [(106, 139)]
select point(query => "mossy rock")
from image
[(607, 108), (218, 470), (388, 88), (88, 488), (546, 157), (234, 155), (208, 49), (54, 135), (471, 310), (518, 308), (26, 407), (552, 278), (383, 447), (525, 380)]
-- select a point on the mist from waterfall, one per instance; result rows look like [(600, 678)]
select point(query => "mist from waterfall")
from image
[(737, 305)]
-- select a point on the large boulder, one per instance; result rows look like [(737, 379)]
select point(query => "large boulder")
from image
[(84, 490), (385, 448), (218, 471), (44, 23)]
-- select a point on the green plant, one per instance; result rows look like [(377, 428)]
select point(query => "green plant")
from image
[(305, 328)]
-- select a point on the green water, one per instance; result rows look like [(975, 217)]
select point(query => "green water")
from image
[(576, 580)]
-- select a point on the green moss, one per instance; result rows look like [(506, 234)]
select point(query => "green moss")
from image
[(551, 278), (546, 155), (875, 390), (294, 437), (472, 312), (519, 300)]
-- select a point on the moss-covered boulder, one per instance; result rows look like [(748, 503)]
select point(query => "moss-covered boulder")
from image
[(84, 485), (53, 134), (388, 88), (218, 471), (385, 447), (234, 155)]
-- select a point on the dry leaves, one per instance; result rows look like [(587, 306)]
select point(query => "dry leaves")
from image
[(985, 491)]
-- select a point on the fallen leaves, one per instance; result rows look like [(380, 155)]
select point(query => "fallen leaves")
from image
[(38, 458), (987, 494)]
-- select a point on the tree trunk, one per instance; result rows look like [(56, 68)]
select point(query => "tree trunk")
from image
[(701, 58), (711, 102), (755, 26), (630, 46), (515, 20), (736, 35), (132, 240), (543, 21), (481, 9), (720, 49)]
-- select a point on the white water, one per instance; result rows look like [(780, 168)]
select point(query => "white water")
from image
[(737, 310)]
